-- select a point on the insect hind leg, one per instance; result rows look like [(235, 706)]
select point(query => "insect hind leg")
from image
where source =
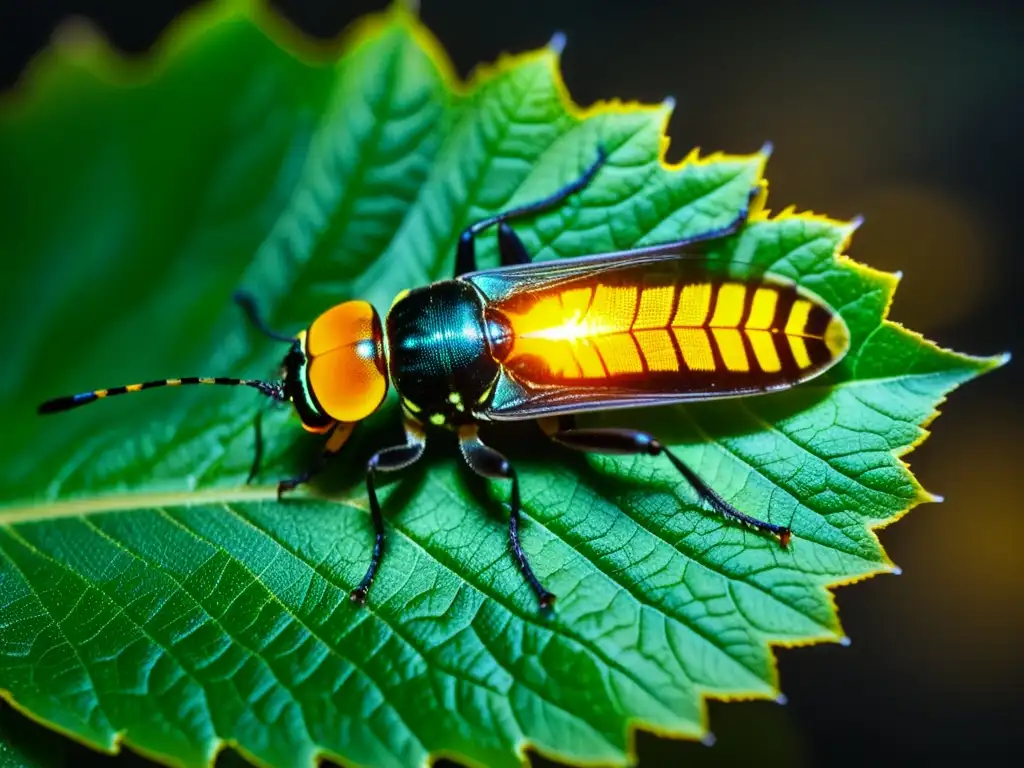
[(512, 249), (634, 442)]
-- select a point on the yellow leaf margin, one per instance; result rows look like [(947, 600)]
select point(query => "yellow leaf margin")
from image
[(80, 44)]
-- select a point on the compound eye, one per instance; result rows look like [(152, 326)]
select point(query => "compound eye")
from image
[(346, 361)]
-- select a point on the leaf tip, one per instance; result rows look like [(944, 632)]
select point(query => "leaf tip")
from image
[(557, 43), (845, 641), (412, 7), (708, 739), (986, 364), (896, 571), (669, 103), (78, 37), (766, 149), (782, 700)]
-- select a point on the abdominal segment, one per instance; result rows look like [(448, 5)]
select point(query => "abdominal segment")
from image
[(667, 332)]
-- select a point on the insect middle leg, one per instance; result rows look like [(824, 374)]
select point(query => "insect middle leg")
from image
[(487, 462), (386, 460), (510, 246), (634, 442)]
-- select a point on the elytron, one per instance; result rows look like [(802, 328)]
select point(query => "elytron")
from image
[(543, 341)]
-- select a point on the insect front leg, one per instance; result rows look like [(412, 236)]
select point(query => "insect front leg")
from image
[(635, 442), (465, 255), (386, 460), (339, 435), (487, 462)]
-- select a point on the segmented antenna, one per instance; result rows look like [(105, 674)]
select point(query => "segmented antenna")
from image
[(269, 388)]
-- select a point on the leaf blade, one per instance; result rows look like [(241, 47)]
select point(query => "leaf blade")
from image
[(204, 615)]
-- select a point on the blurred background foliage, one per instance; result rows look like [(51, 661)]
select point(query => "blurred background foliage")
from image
[(908, 113)]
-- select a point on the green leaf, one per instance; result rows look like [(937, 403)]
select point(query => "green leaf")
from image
[(152, 599)]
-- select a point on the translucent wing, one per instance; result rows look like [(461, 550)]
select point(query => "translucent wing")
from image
[(625, 330)]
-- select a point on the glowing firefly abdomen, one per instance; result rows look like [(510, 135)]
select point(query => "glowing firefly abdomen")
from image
[(661, 332)]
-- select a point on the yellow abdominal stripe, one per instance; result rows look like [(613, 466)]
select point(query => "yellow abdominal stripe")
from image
[(762, 311), (798, 316), (725, 326)]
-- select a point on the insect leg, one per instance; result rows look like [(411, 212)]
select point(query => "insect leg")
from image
[(386, 460), (465, 255), (339, 435), (510, 247), (257, 454), (487, 462), (632, 442)]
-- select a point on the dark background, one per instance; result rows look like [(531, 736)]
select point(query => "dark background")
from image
[(910, 113)]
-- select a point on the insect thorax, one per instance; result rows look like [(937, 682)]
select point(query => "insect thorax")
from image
[(439, 358)]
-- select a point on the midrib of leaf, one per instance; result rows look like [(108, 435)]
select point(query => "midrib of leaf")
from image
[(80, 507), (87, 504), (84, 507), (156, 503), (91, 505), (151, 499), (227, 498)]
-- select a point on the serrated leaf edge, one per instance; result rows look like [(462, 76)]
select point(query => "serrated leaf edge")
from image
[(85, 45)]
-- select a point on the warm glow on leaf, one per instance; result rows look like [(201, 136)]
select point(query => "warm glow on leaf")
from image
[(152, 600)]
